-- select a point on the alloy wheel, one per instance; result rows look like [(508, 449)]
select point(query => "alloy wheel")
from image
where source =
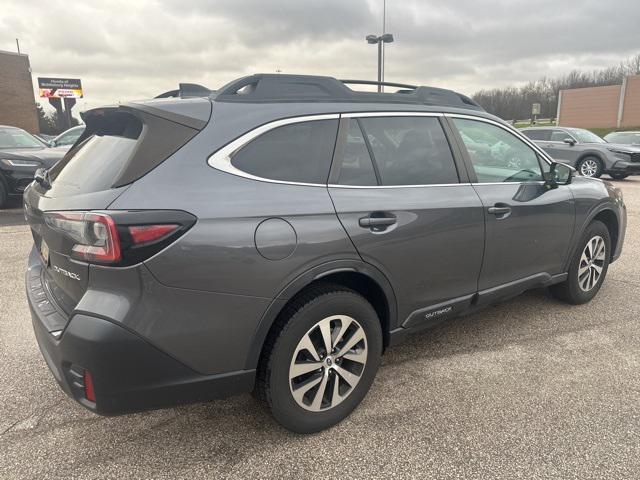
[(328, 363), (589, 167), (591, 263)]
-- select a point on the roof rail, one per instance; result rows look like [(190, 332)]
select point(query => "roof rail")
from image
[(373, 82), (269, 88), (187, 90)]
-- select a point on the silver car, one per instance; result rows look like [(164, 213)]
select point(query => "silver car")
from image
[(586, 151), (625, 138)]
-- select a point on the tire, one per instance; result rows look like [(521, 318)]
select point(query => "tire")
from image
[(618, 176), (590, 167), (329, 308), (573, 289)]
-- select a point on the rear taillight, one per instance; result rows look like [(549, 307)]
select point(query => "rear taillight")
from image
[(95, 235), (119, 237)]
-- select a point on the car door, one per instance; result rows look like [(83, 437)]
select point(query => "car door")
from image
[(560, 150), (409, 210), (528, 225)]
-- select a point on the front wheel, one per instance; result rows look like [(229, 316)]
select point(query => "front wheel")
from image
[(320, 360), (590, 167), (588, 266)]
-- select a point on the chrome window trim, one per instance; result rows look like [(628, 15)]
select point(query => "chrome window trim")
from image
[(532, 182), (465, 184), (221, 159), (333, 185), (391, 114), (513, 132)]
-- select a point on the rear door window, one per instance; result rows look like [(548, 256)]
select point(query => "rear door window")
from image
[(299, 152), (410, 150), (537, 134)]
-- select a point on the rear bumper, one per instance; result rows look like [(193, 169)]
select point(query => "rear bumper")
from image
[(129, 374)]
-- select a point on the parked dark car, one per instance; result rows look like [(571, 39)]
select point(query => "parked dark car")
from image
[(21, 154), (623, 138), (280, 234), (586, 151)]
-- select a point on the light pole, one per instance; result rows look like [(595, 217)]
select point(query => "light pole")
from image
[(380, 40)]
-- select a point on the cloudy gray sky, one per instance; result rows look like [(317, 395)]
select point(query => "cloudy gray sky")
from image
[(124, 50)]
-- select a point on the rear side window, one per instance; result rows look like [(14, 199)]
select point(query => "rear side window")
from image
[(537, 134), (300, 152), (410, 150)]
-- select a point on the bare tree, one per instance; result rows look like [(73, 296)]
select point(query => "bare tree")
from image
[(515, 103)]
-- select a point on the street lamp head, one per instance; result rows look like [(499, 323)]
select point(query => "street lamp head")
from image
[(372, 39), (387, 38)]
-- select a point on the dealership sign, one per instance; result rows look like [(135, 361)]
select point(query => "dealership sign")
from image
[(59, 87)]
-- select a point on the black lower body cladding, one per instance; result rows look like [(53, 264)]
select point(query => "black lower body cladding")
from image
[(128, 373)]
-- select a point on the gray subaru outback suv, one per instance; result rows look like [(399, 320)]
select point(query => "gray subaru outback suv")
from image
[(278, 234), (586, 151)]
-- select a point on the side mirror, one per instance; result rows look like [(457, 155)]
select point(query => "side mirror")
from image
[(569, 141), (559, 174)]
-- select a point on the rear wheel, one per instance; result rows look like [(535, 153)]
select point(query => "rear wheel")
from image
[(588, 267), (618, 176), (590, 167), (320, 360)]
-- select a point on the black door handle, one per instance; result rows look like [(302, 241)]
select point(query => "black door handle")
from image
[(499, 210), (373, 222)]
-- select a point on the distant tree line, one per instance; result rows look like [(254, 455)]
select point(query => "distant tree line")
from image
[(513, 103)]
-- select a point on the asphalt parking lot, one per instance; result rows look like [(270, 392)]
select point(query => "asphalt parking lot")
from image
[(527, 389)]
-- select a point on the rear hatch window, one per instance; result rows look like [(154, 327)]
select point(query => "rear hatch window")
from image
[(118, 146), (98, 161)]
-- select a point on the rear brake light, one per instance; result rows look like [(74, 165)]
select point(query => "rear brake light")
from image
[(144, 234)]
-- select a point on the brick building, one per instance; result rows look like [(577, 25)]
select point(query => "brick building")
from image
[(17, 102), (615, 106)]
